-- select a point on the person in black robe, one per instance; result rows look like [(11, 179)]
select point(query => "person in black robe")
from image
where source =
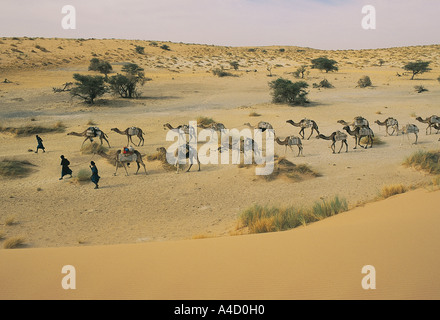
[(40, 144), (95, 177), (65, 170)]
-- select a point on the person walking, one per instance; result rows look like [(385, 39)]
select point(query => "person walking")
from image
[(65, 170), (95, 177), (40, 144)]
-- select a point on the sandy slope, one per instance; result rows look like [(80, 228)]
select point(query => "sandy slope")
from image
[(398, 236)]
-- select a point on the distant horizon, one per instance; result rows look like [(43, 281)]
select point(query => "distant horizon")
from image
[(317, 24), (218, 45)]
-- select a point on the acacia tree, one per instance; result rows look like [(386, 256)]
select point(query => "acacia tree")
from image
[(126, 85), (88, 87), (326, 64), (101, 66), (285, 91), (417, 67)]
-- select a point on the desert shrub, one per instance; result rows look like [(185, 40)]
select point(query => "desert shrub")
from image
[(15, 168), (364, 82), (83, 175), (427, 161), (127, 85), (377, 141), (323, 84), (392, 190), (10, 221), (221, 73), (301, 71), (165, 47), (33, 130), (140, 49), (13, 243), (254, 114), (283, 167), (285, 91), (235, 65), (420, 89)]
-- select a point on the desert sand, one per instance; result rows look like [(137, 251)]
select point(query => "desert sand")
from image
[(398, 236), (157, 215)]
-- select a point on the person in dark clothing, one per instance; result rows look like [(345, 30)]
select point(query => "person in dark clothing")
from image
[(40, 144), (95, 177), (65, 170)]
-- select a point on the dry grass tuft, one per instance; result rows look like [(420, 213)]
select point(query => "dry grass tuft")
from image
[(392, 190), (15, 168), (283, 167), (93, 148), (427, 161), (10, 221), (33, 130), (13, 243), (254, 114)]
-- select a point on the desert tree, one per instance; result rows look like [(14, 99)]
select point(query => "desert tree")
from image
[(286, 91), (417, 67), (326, 64), (140, 49), (101, 66), (300, 71), (126, 85), (88, 87), (234, 64)]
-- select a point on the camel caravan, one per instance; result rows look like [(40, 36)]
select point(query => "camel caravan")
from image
[(359, 129)]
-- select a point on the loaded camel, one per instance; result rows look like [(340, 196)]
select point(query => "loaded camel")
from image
[(389, 123), (410, 128), (431, 121), (244, 146), (303, 124), (289, 142), (262, 125), (360, 132), (122, 159), (182, 129), (358, 122), (90, 133), (189, 152), (336, 136), (130, 132)]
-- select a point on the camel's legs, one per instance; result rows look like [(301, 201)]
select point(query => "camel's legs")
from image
[(301, 133), (85, 141), (417, 138), (333, 146), (342, 144)]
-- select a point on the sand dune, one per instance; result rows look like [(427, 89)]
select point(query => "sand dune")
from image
[(398, 236)]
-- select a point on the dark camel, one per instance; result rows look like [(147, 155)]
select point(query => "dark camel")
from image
[(336, 136), (303, 124), (289, 142), (359, 133)]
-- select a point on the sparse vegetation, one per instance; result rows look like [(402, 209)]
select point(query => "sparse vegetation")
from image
[(140, 49), (262, 219), (377, 141), (13, 243), (33, 130), (285, 91), (221, 73), (427, 161), (301, 71), (15, 168), (93, 148), (82, 176), (364, 82), (392, 190), (254, 114), (205, 122), (283, 167), (420, 89), (126, 86), (10, 221)]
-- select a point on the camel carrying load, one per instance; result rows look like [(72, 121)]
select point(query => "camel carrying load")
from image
[(340, 136), (94, 132), (361, 122), (133, 131), (127, 155)]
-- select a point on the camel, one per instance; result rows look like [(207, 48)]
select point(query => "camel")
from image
[(431, 121), (389, 123), (122, 159), (263, 126), (358, 122), (244, 146), (336, 136), (359, 133), (189, 152), (410, 128), (91, 133), (303, 124), (289, 142), (130, 132), (186, 129)]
